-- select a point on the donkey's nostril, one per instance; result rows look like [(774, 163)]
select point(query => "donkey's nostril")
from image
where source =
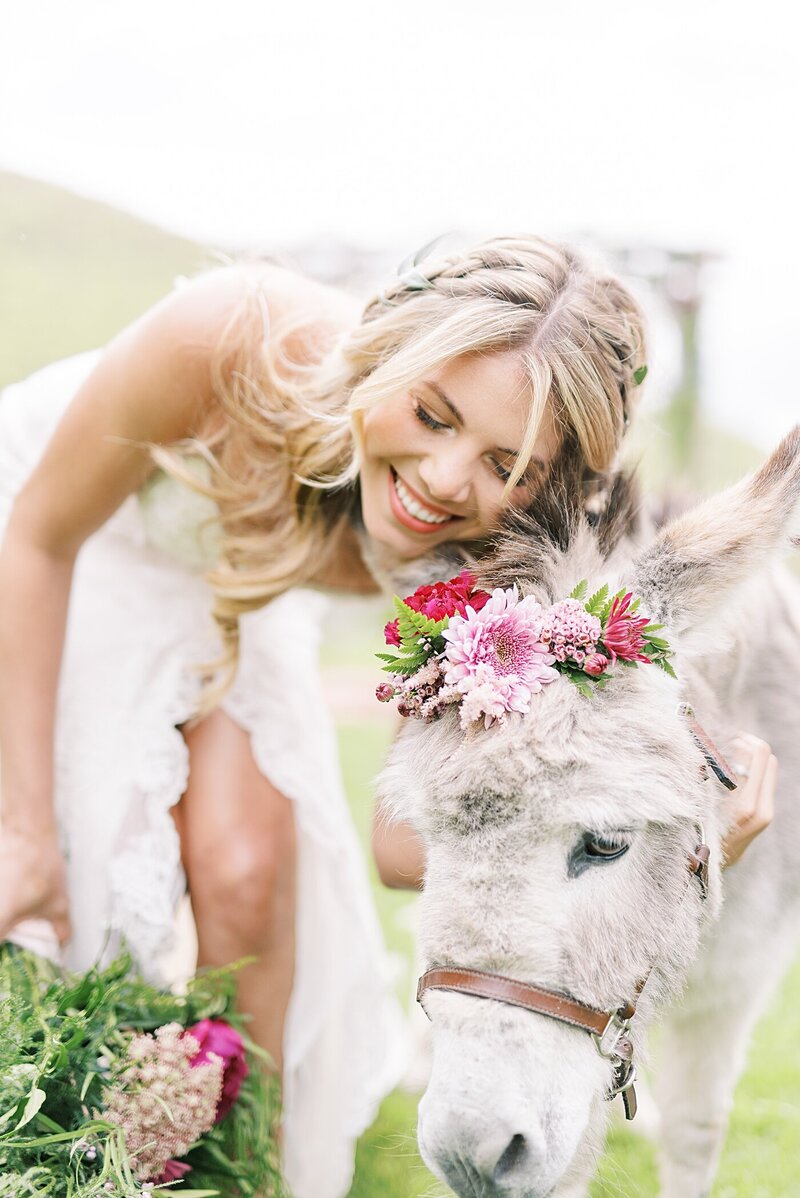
[(513, 1158)]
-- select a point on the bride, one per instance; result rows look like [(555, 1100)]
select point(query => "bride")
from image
[(160, 717)]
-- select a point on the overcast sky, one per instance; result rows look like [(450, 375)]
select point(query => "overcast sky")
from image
[(253, 124)]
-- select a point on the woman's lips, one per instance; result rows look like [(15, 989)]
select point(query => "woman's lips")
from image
[(405, 517)]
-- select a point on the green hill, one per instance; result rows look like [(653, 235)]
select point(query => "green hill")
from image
[(73, 272)]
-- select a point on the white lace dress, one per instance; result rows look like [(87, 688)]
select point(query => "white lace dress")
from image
[(138, 623)]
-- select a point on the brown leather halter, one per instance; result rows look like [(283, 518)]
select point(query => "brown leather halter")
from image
[(609, 1029)]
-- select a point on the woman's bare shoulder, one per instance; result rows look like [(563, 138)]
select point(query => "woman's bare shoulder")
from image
[(287, 294)]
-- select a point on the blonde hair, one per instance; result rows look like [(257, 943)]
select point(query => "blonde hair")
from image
[(283, 450)]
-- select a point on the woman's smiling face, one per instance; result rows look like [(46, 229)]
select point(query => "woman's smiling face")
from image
[(436, 457)]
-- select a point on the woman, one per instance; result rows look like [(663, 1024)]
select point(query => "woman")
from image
[(227, 446)]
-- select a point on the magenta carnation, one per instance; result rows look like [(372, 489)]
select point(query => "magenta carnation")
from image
[(440, 599), (622, 635), (173, 1171), (391, 634), (218, 1039), (495, 657)]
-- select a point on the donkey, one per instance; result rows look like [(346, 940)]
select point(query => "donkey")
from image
[(565, 852)]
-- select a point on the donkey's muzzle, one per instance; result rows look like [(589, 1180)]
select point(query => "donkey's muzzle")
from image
[(489, 1159)]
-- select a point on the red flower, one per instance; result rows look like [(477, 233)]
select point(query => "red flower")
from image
[(213, 1035), (173, 1171), (391, 635), (440, 599), (384, 693), (622, 635)]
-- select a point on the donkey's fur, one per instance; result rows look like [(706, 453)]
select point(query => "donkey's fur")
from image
[(515, 1103)]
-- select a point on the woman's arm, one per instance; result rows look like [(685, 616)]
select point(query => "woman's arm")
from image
[(399, 853), (153, 384)]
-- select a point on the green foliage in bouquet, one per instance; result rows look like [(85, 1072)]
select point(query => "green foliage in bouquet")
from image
[(64, 1053), (420, 638)]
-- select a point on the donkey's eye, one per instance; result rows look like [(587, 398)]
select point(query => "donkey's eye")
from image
[(593, 849), (605, 848)]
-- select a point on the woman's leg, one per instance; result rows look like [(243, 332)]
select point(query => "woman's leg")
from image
[(239, 851)]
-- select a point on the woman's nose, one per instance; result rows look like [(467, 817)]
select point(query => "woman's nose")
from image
[(447, 476)]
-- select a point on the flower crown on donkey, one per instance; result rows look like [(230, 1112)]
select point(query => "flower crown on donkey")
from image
[(490, 653)]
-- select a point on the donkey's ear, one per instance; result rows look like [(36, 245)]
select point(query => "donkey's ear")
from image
[(698, 560)]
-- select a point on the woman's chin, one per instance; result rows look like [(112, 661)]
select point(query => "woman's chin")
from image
[(403, 543)]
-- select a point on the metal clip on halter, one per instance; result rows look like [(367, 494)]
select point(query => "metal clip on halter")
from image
[(615, 1045), (624, 1083)]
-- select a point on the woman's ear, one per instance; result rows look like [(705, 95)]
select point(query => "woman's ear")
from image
[(692, 570)]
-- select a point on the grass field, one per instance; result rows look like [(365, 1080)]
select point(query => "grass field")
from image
[(72, 273)]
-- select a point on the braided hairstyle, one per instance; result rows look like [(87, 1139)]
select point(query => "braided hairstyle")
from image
[(578, 329)]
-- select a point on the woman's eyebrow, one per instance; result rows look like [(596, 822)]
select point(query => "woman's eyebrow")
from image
[(447, 401)]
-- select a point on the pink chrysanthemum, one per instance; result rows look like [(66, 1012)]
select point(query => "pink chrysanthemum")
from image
[(495, 657), (622, 635)]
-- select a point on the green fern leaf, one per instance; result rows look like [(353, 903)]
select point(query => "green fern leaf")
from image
[(413, 624), (595, 605), (580, 682), (579, 591)]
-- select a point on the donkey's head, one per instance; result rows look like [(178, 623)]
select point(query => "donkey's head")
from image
[(558, 841)]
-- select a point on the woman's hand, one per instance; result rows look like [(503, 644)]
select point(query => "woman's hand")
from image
[(753, 801), (33, 882)]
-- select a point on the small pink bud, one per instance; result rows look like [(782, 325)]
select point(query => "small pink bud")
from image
[(384, 693), (595, 664)]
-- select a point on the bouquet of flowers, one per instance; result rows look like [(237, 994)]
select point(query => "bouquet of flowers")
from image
[(111, 1087)]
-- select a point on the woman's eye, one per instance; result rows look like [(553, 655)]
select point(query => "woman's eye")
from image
[(424, 416), (504, 474)]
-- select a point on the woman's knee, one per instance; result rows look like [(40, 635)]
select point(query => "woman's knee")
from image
[(244, 872), (238, 838)]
